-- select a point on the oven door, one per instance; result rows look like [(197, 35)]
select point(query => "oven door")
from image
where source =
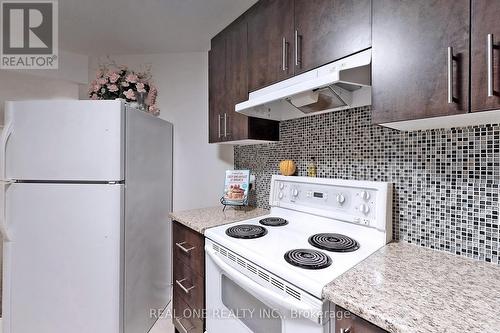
[(238, 304)]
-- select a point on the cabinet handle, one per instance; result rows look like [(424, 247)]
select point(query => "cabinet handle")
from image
[(185, 250), (489, 54), (345, 330), (225, 124), (183, 328), (186, 290), (298, 60), (450, 74), (218, 125), (284, 59)]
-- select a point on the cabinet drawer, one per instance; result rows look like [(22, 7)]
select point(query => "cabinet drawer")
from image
[(188, 285), (185, 319), (188, 248)]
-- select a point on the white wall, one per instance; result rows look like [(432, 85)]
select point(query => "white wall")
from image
[(15, 86), (182, 81), (61, 83)]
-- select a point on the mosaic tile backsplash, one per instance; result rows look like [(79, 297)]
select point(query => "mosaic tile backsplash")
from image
[(446, 182)]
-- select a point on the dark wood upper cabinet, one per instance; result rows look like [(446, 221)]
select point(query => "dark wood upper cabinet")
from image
[(270, 42), (410, 43), (236, 79), (236, 60), (485, 41), (216, 88), (327, 30), (228, 85)]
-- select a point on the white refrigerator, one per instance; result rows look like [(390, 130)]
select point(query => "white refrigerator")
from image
[(85, 197)]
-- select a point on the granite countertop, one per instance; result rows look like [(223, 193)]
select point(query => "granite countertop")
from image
[(204, 218), (408, 288)]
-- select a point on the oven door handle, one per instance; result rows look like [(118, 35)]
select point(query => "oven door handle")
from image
[(262, 292)]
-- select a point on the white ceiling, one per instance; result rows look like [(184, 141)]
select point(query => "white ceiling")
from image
[(97, 27)]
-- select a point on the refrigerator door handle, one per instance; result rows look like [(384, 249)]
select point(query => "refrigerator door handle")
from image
[(4, 184)]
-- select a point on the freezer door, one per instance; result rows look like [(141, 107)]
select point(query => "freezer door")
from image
[(64, 140), (148, 200), (62, 268)]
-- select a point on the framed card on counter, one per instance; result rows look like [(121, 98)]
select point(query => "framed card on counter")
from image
[(236, 187)]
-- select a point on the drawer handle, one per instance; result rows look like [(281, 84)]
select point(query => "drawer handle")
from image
[(183, 328), (186, 290), (185, 250), (345, 330)]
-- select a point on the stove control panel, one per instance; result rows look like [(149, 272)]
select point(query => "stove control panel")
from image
[(351, 201)]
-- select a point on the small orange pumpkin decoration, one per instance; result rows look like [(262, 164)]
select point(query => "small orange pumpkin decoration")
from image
[(287, 167)]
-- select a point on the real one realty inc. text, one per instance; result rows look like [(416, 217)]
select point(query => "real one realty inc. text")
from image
[(246, 313)]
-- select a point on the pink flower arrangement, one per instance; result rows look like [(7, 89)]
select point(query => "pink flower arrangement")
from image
[(117, 81)]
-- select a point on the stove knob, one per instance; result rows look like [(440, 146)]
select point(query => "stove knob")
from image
[(340, 198), (364, 195), (295, 192), (282, 186), (364, 209), (280, 195)]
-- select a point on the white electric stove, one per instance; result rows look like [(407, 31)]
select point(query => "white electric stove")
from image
[(278, 264)]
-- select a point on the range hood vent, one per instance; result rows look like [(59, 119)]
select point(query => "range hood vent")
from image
[(339, 85)]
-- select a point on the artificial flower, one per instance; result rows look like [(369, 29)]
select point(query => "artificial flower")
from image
[(129, 94), (154, 110), (151, 98), (140, 87), (112, 87), (132, 78), (113, 77)]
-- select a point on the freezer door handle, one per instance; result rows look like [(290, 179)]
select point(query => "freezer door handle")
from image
[(4, 184), (4, 138)]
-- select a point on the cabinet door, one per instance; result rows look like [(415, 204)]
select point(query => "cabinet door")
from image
[(216, 89), (236, 124), (410, 59), (327, 30), (270, 39), (485, 58), (228, 85)]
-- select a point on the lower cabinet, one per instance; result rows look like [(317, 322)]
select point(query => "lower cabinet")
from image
[(189, 276), (347, 322)]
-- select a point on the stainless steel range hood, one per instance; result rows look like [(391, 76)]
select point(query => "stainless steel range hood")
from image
[(339, 85)]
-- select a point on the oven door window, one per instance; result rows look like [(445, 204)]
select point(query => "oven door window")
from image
[(257, 316)]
